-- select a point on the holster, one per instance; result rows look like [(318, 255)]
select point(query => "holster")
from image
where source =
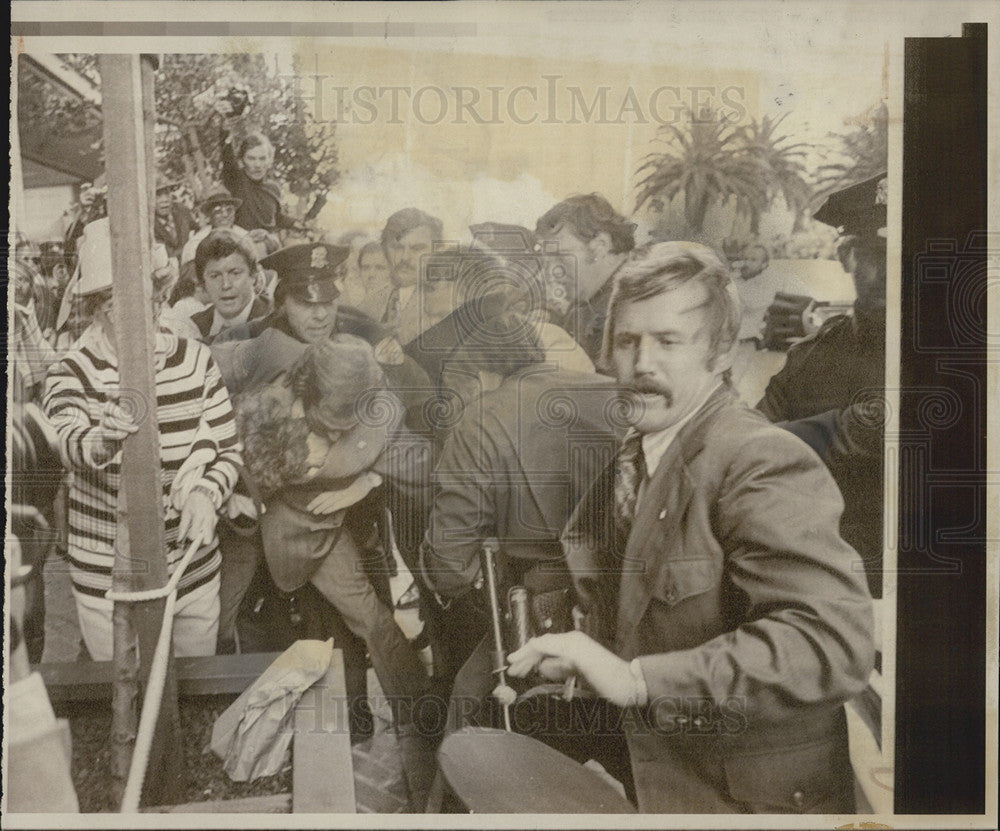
[(540, 603)]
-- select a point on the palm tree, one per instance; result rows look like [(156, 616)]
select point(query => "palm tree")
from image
[(706, 162), (857, 155), (782, 168)]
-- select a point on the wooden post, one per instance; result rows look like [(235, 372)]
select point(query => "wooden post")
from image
[(129, 214)]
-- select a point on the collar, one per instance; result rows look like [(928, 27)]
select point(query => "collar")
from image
[(599, 300), (219, 322), (655, 445), (405, 294)]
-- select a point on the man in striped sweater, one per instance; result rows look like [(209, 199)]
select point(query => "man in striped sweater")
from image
[(199, 456)]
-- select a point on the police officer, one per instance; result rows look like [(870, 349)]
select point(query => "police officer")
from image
[(831, 386)]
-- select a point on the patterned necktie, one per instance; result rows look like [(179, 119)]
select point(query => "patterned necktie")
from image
[(393, 310), (630, 470)]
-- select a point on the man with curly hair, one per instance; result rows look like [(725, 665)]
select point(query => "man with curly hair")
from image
[(591, 241)]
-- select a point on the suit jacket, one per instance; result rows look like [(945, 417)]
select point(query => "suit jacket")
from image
[(174, 238), (513, 468), (412, 318), (203, 320), (749, 615)]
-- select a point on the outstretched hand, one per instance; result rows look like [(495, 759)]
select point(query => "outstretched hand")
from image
[(557, 657)]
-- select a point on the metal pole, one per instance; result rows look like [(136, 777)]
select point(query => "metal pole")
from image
[(490, 548)]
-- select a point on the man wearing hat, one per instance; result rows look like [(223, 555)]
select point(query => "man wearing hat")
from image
[(172, 221), (219, 208), (829, 390), (194, 418), (307, 310)]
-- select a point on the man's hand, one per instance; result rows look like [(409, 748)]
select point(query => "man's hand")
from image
[(114, 425), (558, 656), (329, 502), (198, 518)]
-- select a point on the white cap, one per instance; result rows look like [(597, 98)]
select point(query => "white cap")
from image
[(94, 252), (93, 271)]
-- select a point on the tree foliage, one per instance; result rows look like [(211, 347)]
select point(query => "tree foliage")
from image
[(856, 155), (702, 161), (713, 162), (305, 150), (187, 124), (782, 166)]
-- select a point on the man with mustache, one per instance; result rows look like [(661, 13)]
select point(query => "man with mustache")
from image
[(407, 239), (722, 610), (829, 391)]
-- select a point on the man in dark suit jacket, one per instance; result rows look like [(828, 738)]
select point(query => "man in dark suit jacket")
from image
[(226, 265), (172, 222), (723, 610), (510, 469)]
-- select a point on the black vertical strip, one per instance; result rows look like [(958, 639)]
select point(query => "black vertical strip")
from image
[(941, 673)]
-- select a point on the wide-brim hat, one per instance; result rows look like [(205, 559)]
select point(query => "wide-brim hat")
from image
[(166, 183), (93, 270), (308, 271), (94, 259), (218, 195)]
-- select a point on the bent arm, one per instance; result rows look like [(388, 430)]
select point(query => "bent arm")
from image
[(800, 590)]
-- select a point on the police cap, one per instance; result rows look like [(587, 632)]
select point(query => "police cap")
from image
[(858, 210), (308, 271)]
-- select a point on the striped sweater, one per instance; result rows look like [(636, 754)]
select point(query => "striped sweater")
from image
[(192, 410)]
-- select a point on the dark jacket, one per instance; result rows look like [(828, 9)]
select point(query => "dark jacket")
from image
[(203, 320), (513, 468), (748, 614), (173, 238), (260, 202), (831, 389)]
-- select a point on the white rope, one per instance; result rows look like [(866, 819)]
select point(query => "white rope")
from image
[(157, 679), (163, 591)]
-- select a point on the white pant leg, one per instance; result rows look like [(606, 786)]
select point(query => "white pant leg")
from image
[(196, 622), (94, 614)]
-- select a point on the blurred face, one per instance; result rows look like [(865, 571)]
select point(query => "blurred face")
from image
[(661, 357), (257, 162), (222, 215), (868, 273), (754, 264), (103, 317), (373, 267), (229, 284), (311, 322), (163, 202), (438, 298), (404, 255), (581, 259)]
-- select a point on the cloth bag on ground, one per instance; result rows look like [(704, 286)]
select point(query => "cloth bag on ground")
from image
[(253, 735)]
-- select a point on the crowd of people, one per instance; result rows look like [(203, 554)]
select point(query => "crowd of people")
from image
[(345, 422)]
